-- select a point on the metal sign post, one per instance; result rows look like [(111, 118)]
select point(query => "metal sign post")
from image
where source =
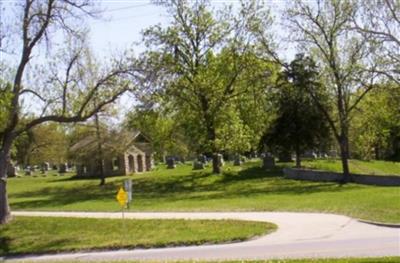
[(128, 190)]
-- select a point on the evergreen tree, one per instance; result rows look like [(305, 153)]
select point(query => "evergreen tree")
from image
[(299, 124)]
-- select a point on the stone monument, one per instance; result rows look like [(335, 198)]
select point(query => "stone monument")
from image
[(202, 158), (11, 170), (198, 165), (237, 161), (171, 163), (268, 161), (63, 168)]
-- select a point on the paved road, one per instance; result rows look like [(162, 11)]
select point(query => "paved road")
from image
[(300, 235)]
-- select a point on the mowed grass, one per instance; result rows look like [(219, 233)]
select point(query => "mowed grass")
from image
[(246, 188), (356, 166), (44, 234)]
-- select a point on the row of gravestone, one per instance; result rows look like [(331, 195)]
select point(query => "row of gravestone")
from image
[(12, 170), (201, 161), (198, 164)]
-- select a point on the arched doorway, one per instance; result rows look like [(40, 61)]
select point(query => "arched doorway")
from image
[(131, 164), (140, 163)]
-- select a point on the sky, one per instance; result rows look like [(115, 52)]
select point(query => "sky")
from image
[(121, 24), (125, 19)]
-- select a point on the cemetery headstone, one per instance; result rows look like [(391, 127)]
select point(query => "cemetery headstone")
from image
[(309, 154), (237, 160), (62, 168), (45, 166), (202, 158), (198, 165), (268, 161), (332, 154), (28, 171), (220, 159), (171, 163), (11, 170), (70, 166)]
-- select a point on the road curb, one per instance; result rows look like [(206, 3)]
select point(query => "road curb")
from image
[(392, 225)]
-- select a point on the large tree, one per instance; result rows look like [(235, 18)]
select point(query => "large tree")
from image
[(299, 124), (323, 28), (63, 90), (202, 56)]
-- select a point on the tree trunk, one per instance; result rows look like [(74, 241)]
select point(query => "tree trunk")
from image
[(5, 213), (298, 160), (100, 152), (344, 154), (216, 166), (377, 152)]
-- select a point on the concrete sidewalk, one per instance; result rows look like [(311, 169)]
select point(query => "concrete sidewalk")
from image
[(299, 235)]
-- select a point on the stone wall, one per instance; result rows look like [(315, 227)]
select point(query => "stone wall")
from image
[(325, 176)]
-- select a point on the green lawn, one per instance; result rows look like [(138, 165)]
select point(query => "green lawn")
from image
[(246, 188), (43, 235), (356, 166)]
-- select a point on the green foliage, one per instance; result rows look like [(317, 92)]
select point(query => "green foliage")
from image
[(44, 143), (209, 76), (299, 123), (376, 124), (5, 101), (165, 136), (50, 144), (233, 135)]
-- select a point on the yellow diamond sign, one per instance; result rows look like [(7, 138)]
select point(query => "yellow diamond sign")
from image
[(122, 197)]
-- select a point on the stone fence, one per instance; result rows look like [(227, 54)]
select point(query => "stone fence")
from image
[(325, 176)]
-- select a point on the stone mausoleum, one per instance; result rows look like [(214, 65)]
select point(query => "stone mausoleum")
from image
[(123, 153)]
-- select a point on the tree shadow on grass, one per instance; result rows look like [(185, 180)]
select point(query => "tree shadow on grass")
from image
[(74, 177), (231, 184), (251, 173), (4, 245), (197, 185), (59, 196), (40, 247)]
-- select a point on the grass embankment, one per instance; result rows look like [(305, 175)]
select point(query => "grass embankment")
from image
[(246, 188), (356, 166), (46, 235)]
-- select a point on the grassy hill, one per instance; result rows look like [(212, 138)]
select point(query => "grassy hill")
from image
[(245, 188)]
